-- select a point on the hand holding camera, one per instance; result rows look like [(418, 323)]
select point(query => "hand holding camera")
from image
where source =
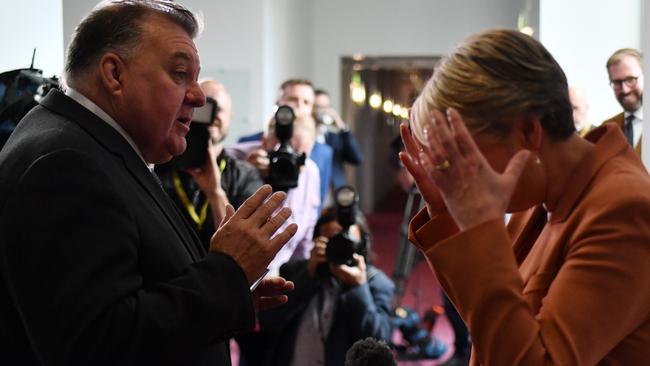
[(317, 256), (351, 275), (328, 117)]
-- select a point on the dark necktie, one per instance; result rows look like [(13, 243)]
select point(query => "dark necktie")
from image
[(628, 129)]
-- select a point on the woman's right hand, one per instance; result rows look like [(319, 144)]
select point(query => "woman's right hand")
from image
[(426, 186)]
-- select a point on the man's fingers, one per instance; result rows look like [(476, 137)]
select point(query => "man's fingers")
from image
[(283, 237), (253, 202), (230, 211), (263, 213), (273, 286), (265, 303), (275, 222)]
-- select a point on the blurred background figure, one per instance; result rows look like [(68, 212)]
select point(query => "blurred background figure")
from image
[(333, 131), (625, 70), (299, 95), (580, 111), (340, 297)]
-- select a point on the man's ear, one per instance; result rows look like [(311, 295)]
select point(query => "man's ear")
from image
[(111, 72)]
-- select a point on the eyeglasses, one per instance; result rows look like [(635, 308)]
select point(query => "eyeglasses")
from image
[(629, 81)]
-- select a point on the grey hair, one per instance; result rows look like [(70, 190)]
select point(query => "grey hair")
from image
[(116, 26)]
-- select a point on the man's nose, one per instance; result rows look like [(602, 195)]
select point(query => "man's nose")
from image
[(195, 96)]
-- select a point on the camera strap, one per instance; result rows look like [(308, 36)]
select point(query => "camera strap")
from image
[(200, 217)]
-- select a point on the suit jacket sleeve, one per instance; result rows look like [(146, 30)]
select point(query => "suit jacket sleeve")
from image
[(346, 146), (72, 262), (587, 309), (367, 308)]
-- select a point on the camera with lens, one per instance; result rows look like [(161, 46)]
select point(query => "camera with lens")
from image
[(196, 153), (323, 117), (285, 163), (343, 245)]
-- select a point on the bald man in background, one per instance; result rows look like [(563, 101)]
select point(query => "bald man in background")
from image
[(580, 111)]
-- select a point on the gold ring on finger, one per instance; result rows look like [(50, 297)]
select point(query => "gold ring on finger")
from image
[(443, 166)]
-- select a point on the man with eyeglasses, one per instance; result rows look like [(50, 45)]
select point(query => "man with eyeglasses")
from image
[(626, 78)]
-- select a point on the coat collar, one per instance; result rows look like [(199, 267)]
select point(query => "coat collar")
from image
[(608, 141)]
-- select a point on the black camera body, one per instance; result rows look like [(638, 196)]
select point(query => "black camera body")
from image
[(20, 91), (284, 163), (196, 153), (342, 246)]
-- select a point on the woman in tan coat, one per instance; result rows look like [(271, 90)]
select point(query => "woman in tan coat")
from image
[(567, 281)]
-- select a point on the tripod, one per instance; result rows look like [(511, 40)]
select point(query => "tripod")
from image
[(407, 254)]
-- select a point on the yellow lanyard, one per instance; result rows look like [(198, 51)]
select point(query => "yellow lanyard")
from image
[(199, 218)]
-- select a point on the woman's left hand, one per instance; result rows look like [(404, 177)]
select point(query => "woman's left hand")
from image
[(472, 191)]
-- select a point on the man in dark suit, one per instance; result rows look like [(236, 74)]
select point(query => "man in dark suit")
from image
[(625, 70), (96, 264)]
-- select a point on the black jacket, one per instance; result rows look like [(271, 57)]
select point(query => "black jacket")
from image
[(97, 266)]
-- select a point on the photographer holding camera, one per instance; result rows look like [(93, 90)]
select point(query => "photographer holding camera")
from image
[(301, 181), (339, 298), (203, 180), (299, 95), (334, 132)]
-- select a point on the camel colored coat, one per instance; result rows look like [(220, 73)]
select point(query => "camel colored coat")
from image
[(567, 288), (619, 120)]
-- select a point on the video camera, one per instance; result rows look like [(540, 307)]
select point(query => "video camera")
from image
[(343, 245), (20, 91), (196, 153), (285, 163)]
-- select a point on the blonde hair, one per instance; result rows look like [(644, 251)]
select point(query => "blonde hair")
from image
[(618, 55), (493, 78)]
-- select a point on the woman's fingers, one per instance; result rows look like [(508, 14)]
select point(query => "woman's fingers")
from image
[(434, 150), (446, 138), (410, 145), (464, 140), (515, 168)]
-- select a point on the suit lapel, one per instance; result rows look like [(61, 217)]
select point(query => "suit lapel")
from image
[(115, 143)]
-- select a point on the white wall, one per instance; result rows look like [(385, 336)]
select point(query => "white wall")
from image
[(392, 28), (232, 51), (397, 28), (25, 25), (581, 35)]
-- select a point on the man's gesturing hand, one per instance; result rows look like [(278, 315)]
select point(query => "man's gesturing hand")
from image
[(246, 234)]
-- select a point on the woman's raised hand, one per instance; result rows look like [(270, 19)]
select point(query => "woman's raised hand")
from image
[(451, 172)]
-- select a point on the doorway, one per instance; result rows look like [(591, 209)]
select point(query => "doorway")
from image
[(377, 93)]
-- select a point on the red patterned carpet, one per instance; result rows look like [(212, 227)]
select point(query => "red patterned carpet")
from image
[(422, 289)]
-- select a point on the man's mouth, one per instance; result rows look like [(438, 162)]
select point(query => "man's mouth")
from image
[(185, 122)]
